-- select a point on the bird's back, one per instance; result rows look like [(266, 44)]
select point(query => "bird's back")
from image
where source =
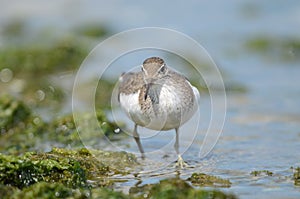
[(166, 106)]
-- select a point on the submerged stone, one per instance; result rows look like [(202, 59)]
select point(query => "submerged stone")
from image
[(201, 179), (297, 176), (272, 48), (175, 188), (92, 30), (12, 113), (21, 130), (35, 60), (108, 193), (72, 168), (47, 190), (261, 172), (64, 131), (6, 192)]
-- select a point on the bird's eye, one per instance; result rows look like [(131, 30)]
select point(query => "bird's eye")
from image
[(162, 69)]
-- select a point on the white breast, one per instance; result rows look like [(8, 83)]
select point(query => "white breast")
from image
[(169, 112)]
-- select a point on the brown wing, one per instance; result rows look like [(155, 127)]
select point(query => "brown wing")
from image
[(130, 83)]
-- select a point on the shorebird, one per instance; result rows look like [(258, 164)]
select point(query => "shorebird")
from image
[(157, 98)]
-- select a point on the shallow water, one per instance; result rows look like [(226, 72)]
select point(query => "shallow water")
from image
[(262, 125), (250, 141)]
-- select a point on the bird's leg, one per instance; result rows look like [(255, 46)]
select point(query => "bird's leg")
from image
[(180, 163), (137, 140)]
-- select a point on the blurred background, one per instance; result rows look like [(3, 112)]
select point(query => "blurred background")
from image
[(255, 44)]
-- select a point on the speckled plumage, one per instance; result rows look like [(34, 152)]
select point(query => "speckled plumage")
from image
[(157, 97)]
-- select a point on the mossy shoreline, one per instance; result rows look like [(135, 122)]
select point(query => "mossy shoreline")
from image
[(29, 171), (83, 174)]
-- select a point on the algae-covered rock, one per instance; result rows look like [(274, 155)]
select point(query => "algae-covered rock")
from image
[(201, 179), (20, 129), (6, 192), (171, 188), (261, 172), (297, 176), (12, 113), (175, 188), (47, 190), (32, 65), (99, 163), (70, 167), (272, 48), (83, 173), (36, 60), (108, 193), (64, 131), (41, 93), (92, 30), (32, 168)]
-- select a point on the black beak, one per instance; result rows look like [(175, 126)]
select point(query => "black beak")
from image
[(149, 83), (147, 90)]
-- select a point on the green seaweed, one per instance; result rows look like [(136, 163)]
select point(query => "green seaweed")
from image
[(20, 129), (6, 192), (82, 174), (37, 60), (170, 188), (297, 176), (103, 93), (202, 179), (72, 168), (108, 193), (31, 66), (32, 168), (47, 190), (261, 172), (64, 131), (175, 188), (12, 112), (43, 94), (14, 28), (92, 30), (23, 131), (273, 48)]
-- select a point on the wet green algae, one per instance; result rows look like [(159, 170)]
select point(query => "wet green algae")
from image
[(22, 131), (35, 60), (73, 168), (274, 48), (79, 174), (58, 190), (12, 113), (65, 173), (92, 30), (170, 188), (175, 188), (63, 129), (62, 173), (202, 179), (297, 176), (32, 65), (33, 68), (261, 172)]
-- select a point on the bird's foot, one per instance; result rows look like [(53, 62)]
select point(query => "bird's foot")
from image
[(180, 163)]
